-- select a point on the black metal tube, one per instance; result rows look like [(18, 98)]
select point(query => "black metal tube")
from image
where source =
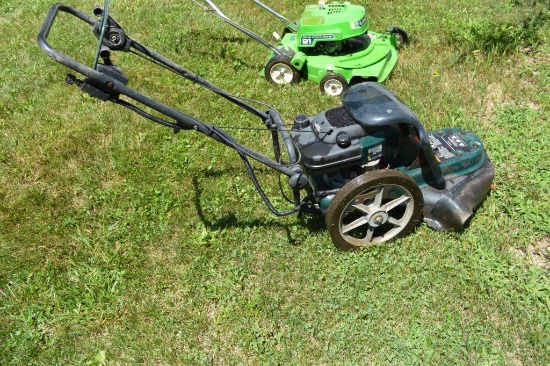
[(104, 18), (178, 69), (287, 140), (45, 30)]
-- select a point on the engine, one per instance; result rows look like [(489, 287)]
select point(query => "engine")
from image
[(372, 130), (335, 148)]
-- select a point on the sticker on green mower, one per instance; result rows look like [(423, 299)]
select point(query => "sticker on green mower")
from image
[(311, 39), (358, 24)]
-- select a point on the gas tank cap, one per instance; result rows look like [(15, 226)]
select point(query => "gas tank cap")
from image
[(300, 121), (343, 140)]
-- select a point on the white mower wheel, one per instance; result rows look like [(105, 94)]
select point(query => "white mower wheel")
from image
[(333, 84), (279, 71)]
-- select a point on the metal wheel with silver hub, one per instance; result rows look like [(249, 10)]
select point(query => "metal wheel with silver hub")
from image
[(279, 71), (373, 208), (333, 84)]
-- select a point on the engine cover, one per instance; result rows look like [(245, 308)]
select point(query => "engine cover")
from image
[(333, 140)]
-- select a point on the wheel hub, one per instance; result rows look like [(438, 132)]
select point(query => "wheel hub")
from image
[(333, 88), (281, 74), (378, 218)]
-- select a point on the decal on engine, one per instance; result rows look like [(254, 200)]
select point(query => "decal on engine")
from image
[(317, 128), (310, 40), (375, 152)]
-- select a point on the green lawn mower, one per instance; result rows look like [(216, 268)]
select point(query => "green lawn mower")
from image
[(331, 45), (368, 166)]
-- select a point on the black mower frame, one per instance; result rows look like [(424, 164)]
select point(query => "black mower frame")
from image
[(107, 82)]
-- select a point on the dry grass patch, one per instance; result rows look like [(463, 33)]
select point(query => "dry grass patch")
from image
[(537, 254)]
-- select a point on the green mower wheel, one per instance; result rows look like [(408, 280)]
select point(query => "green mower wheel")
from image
[(375, 207)]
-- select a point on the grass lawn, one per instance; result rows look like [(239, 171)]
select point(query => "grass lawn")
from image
[(122, 243)]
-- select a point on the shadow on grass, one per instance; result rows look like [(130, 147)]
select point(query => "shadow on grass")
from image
[(312, 223)]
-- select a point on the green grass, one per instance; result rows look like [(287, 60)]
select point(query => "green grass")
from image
[(122, 243)]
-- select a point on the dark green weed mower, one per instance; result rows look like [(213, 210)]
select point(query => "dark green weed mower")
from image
[(368, 166)]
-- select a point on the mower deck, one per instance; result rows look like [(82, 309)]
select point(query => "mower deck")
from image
[(371, 57)]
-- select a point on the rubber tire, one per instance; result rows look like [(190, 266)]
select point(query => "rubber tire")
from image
[(402, 36), (284, 62), (332, 77), (368, 182)]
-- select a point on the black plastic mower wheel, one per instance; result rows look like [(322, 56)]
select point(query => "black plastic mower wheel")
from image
[(333, 84), (373, 208), (279, 71), (401, 35)]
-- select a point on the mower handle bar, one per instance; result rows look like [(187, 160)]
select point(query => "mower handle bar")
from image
[(292, 25), (183, 121), (45, 31), (216, 11)]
